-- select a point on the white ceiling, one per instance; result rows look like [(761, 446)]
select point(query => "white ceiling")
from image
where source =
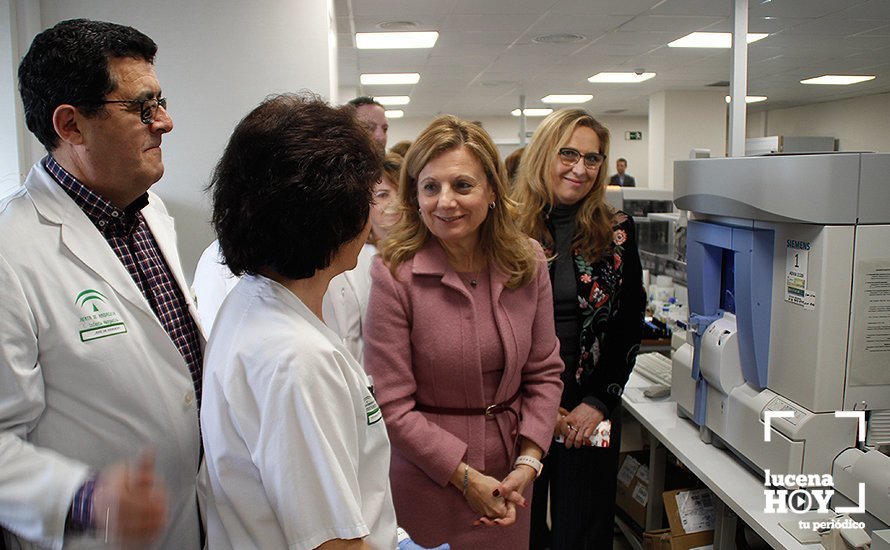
[(485, 58)]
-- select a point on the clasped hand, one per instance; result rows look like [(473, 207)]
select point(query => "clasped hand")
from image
[(495, 500), (578, 425)]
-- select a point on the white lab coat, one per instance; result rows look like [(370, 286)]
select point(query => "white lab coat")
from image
[(212, 282), (346, 302), (88, 375), (344, 306), (297, 452)]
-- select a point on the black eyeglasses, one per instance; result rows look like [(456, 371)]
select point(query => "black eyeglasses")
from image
[(148, 108), (570, 156)]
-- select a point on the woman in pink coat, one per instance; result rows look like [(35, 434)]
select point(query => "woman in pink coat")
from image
[(461, 346)]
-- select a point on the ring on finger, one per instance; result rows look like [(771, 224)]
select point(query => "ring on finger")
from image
[(573, 428)]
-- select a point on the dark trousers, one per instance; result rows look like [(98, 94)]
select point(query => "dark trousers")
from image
[(581, 484)]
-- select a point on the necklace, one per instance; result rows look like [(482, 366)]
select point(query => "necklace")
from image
[(471, 278)]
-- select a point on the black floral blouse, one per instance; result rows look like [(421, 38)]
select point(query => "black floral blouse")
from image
[(611, 300)]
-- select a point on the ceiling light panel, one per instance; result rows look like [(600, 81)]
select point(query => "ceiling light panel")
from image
[(614, 78), (395, 40), (532, 112), (837, 79), (749, 98), (712, 40), (567, 98), (392, 99), (371, 79)]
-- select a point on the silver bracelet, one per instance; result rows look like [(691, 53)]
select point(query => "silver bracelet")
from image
[(466, 477)]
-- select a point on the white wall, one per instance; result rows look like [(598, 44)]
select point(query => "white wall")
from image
[(10, 172), (657, 136), (756, 124), (505, 132), (859, 124), (216, 61), (680, 121)]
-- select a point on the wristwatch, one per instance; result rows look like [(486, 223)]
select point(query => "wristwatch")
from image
[(530, 461)]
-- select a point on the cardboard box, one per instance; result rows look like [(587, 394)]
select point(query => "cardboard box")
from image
[(663, 539), (691, 516), (632, 491), (689, 510)]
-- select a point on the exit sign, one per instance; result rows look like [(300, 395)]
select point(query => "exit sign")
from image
[(633, 136)]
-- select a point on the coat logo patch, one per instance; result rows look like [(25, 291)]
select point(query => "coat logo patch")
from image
[(96, 319), (372, 410)]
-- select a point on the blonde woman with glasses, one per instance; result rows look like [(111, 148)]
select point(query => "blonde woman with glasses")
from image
[(598, 309)]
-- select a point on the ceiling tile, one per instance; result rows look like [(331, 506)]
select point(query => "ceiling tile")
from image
[(512, 22), (600, 8), (497, 7), (693, 7), (673, 24), (401, 10), (798, 8), (832, 26), (871, 10), (589, 26)]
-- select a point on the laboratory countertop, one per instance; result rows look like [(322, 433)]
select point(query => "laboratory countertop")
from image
[(730, 481)]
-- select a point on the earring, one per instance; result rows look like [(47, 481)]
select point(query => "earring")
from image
[(491, 205)]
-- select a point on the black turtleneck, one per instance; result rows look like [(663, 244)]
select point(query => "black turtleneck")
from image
[(565, 289)]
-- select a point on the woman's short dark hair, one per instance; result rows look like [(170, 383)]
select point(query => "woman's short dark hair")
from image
[(293, 185), (68, 64)]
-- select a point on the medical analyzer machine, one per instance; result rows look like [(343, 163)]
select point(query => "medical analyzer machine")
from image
[(788, 267)]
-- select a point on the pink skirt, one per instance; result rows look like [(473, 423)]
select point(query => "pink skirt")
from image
[(432, 514)]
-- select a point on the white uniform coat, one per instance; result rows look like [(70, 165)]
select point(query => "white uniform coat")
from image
[(212, 283), (297, 452), (88, 375), (346, 302), (344, 306)]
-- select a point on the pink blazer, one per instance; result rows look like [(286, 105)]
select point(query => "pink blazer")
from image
[(421, 345)]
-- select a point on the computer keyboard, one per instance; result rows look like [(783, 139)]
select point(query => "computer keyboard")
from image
[(655, 367)]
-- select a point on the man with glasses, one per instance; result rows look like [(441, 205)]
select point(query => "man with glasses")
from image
[(100, 354)]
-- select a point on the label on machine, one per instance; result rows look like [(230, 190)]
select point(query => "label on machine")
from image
[(870, 351), (779, 404), (796, 259)]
